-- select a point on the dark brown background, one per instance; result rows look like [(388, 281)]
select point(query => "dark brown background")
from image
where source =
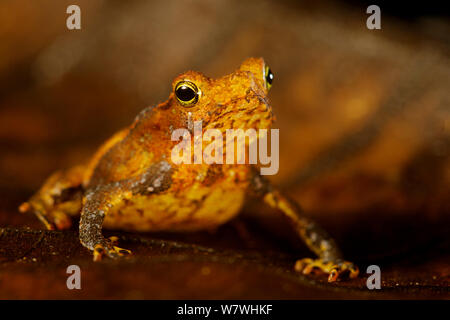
[(364, 122)]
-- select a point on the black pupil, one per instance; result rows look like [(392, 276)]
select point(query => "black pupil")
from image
[(184, 93), (269, 76)]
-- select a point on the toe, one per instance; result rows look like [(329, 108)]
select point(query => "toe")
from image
[(354, 272), (99, 251), (122, 252), (333, 275), (62, 221), (302, 263)]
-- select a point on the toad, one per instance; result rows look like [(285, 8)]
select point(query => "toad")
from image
[(132, 184)]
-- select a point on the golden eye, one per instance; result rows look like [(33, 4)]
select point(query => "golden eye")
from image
[(187, 93), (268, 76)]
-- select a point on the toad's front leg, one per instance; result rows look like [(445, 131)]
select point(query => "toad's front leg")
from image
[(97, 204), (330, 259), (100, 199)]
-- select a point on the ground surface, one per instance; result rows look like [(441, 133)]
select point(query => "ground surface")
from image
[(232, 263)]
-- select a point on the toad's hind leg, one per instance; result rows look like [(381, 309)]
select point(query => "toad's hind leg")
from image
[(330, 260), (59, 198)]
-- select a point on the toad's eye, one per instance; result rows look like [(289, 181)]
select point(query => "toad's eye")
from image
[(268, 76), (187, 93)]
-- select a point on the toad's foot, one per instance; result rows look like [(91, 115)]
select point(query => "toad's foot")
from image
[(55, 220), (108, 248), (335, 269)]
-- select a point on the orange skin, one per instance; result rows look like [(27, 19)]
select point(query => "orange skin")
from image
[(132, 184)]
